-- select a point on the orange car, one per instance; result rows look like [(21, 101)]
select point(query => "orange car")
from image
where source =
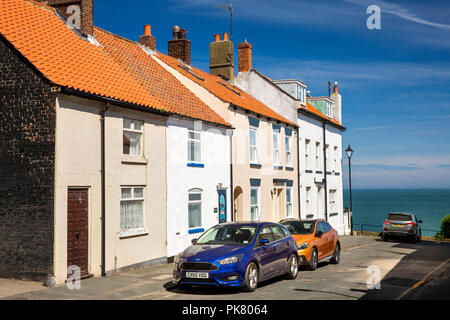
[(316, 241)]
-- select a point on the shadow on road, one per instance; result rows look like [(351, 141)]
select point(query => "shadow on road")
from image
[(411, 269)]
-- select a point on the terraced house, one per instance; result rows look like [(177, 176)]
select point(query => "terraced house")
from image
[(96, 138), (264, 148), (319, 138)]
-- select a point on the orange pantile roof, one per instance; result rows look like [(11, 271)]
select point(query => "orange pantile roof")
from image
[(154, 78), (316, 112), (223, 90), (64, 58)]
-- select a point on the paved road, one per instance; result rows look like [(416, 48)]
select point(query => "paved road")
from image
[(402, 266)]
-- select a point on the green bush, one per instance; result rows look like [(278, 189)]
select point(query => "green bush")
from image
[(445, 227)]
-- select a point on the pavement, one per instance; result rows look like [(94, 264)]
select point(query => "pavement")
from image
[(403, 271)]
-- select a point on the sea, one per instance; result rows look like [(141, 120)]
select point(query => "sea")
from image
[(371, 207)]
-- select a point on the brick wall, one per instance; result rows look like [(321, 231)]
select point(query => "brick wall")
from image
[(180, 49), (27, 157)]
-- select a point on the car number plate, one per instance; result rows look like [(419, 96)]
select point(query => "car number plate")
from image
[(398, 225), (197, 275)]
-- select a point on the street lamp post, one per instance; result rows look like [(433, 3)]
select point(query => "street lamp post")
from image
[(349, 153)]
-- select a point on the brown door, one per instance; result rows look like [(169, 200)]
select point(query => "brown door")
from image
[(77, 229)]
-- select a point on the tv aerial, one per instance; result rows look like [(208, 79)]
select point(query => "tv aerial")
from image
[(229, 8)]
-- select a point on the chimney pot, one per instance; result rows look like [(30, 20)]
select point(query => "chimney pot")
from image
[(217, 37), (147, 30), (225, 36)]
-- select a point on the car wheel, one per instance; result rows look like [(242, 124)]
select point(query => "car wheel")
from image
[(251, 277), (385, 237), (336, 255), (292, 267), (414, 239), (419, 238), (313, 260)]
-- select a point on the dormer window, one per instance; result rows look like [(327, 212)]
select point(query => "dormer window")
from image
[(301, 93), (329, 109)]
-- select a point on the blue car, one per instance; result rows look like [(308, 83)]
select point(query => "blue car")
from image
[(238, 254)]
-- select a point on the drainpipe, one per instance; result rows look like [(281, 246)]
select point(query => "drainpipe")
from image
[(325, 170), (231, 178), (298, 174), (103, 187)]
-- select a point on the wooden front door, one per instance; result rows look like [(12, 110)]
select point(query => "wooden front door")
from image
[(77, 229)]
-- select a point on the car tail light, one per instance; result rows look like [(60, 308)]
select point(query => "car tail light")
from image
[(410, 224), (387, 222), (385, 229)]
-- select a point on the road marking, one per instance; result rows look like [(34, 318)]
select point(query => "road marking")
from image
[(421, 281), (362, 246)]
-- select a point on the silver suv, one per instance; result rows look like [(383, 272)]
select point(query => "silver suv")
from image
[(402, 224)]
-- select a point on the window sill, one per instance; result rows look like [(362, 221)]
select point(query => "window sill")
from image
[(288, 168), (134, 159), (334, 214), (133, 233), (197, 230), (308, 171), (195, 165), (277, 167), (255, 165)]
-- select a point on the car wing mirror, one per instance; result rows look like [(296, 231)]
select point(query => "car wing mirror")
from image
[(194, 241), (420, 221), (319, 234), (263, 242)]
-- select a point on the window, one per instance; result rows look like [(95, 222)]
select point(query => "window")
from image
[(318, 163), (308, 200), (329, 109), (254, 204), (266, 233), (332, 196), (336, 154), (287, 145), (278, 234), (301, 93), (253, 146), (276, 146), (327, 156), (195, 208), (194, 146), (307, 160), (131, 208), (289, 206), (132, 137)]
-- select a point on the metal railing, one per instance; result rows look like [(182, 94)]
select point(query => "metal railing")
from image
[(378, 228)]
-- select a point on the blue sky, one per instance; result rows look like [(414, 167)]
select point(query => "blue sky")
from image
[(395, 81)]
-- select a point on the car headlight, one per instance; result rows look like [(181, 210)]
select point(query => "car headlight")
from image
[(230, 260), (302, 246), (177, 260)]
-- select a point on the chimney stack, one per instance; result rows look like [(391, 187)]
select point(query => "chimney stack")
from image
[(78, 12), (147, 39), (221, 57), (245, 57), (337, 103), (179, 46)]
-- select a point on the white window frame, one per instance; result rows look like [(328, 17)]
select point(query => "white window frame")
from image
[(289, 205), (195, 141), (276, 151), (253, 149), (133, 130), (124, 232), (336, 155), (257, 205), (287, 143), (332, 197), (308, 200), (318, 153), (196, 191), (327, 156), (330, 109), (307, 154)]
